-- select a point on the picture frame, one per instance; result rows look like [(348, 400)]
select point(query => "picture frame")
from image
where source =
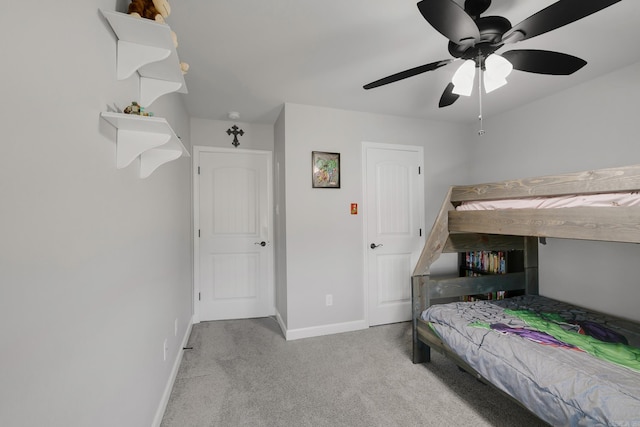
[(325, 169)]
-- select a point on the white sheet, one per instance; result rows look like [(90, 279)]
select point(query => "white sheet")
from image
[(593, 200)]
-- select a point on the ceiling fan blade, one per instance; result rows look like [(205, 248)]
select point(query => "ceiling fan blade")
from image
[(555, 16), (544, 61), (450, 20), (448, 97), (408, 73)]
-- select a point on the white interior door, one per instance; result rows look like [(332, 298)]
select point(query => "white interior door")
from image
[(394, 196), (234, 254)]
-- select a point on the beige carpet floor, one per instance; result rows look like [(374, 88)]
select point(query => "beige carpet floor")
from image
[(243, 373)]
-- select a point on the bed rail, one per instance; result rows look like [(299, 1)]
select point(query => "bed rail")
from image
[(615, 224), (611, 180)]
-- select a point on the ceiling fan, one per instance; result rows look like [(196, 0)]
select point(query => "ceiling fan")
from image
[(476, 39)]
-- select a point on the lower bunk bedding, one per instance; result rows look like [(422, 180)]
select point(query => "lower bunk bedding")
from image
[(568, 365)]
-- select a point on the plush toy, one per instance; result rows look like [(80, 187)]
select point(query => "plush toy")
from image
[(137, 110), (156, 10), (134, 108)]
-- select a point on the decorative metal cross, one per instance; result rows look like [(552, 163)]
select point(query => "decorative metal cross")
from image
[(236, 131)]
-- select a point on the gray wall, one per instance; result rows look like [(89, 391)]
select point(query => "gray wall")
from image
[(594, 125), (95, 263), (324, 243)]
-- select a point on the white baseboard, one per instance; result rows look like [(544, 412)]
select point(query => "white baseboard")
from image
[(316, 331), (157, 420)]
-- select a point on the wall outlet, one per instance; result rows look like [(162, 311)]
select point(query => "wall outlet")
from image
[(329, 300), (175, 327), (165, 350)]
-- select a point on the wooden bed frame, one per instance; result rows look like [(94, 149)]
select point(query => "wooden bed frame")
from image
[(519, 229)]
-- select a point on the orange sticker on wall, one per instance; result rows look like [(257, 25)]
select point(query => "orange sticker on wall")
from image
[(354, 209)]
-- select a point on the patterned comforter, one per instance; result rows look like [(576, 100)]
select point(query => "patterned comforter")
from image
[(568, 365)]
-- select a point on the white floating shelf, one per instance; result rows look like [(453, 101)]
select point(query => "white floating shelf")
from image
[(150, 138), (147, 47)]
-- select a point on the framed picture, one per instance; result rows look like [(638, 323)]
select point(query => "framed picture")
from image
[(325, 169)]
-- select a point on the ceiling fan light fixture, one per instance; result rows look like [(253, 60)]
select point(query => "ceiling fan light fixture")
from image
[(463, 78), (491, 84), (496, 71)]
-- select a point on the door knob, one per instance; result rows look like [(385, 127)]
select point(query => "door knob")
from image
[(263, 243), (373, 245)]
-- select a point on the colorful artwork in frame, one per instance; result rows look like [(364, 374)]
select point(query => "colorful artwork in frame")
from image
[(325, 169)]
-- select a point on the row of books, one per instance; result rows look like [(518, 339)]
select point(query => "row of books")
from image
[(485, 262), (478, 263)]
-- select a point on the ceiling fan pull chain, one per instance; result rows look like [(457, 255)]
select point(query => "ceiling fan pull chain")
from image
[(481, 131)]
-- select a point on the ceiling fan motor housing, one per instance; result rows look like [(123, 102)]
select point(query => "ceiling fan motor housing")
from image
[(476, 7), (491, 30)]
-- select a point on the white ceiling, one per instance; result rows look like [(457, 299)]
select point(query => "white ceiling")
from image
[(251, 56)]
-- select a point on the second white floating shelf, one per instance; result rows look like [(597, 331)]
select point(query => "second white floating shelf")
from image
[(150, 138), (147, 47)]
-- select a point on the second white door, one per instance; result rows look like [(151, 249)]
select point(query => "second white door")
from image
[(394, 196)]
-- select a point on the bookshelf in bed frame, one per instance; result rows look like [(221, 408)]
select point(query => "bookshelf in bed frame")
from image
[(515, 229), (483, 263), (429, 289)]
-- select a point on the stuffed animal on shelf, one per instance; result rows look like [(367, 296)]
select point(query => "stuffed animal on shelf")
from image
[(137, 110), (134, 108), (156, 10)]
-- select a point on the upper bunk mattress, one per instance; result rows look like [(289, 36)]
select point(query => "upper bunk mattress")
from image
[(528, 347), (591, 200)]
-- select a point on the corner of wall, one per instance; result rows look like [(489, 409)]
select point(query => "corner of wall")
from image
[(280, 219)]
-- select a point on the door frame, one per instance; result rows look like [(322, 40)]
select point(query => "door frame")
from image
[(365, 217), (197, 149)]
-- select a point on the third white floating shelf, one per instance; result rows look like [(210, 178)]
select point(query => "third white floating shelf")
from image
[(150, 138)]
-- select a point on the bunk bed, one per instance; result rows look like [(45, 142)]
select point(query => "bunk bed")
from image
[(560, 381)]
